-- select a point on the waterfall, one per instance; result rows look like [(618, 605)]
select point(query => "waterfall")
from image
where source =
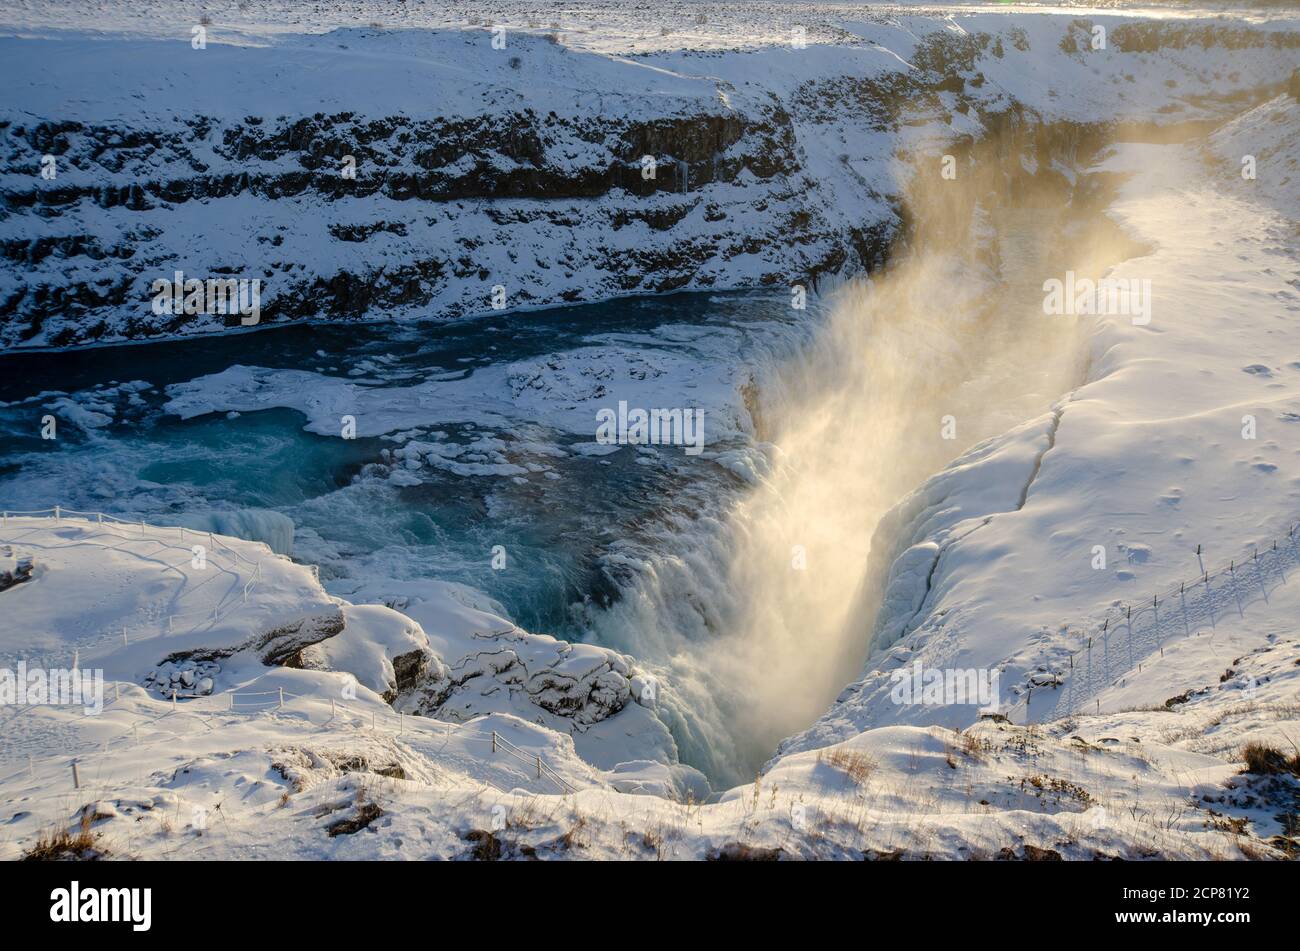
[(754, 615)]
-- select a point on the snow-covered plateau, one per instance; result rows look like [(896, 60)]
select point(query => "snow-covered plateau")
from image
[(303, 646)]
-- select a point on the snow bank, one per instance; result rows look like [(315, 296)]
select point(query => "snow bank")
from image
[(143, 606)]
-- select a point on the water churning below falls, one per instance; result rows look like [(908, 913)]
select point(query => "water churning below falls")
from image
[(759, 613)]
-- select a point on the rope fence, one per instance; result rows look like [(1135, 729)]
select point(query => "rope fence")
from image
[(253, 702), (1188, 601), (269, 702), (1192, 598), (214, 546)]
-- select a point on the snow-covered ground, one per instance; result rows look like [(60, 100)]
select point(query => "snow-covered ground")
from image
[(308, 761), (141, 604), (1081, 556)]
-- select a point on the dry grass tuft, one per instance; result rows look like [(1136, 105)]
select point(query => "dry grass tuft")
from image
[(1269, 761), (61, 845), (853, 764)]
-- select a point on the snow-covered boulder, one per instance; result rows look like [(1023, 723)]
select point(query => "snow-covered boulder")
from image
[(385, 651), (493, 666)]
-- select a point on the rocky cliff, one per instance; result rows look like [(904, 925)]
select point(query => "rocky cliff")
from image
[(371, 174)]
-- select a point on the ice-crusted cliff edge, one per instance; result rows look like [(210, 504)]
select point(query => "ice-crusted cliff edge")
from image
[(519, 172)]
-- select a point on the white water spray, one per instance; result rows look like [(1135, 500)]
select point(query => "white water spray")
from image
[(749, 614)]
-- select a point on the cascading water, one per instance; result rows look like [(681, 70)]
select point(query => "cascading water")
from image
[(753, 615)]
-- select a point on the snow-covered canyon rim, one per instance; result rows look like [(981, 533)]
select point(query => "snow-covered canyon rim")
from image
[(924, 471), (386, 170)]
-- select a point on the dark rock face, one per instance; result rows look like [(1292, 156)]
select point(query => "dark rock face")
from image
[(284, 646), (347, 216), (13, 569), (445, 195), (280, 647)]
